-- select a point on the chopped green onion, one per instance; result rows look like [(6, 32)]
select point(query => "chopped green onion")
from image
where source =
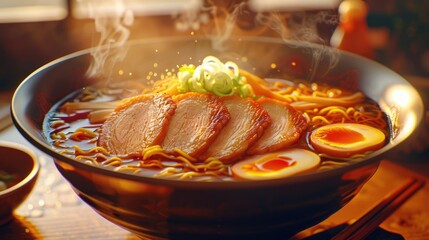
[(215, 77)]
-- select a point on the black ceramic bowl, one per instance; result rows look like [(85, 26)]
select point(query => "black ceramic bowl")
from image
[(22, 165), (159, 208)]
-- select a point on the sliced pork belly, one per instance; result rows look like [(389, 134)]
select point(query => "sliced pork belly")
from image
[(137, 123), (285, 129), (197, 121), (247, 123)]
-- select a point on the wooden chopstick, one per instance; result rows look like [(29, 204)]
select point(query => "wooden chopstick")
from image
[(372, 219)]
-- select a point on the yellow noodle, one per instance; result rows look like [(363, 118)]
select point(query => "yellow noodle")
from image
[(185, 155), (168, 171), (135, 169), (87, 158), (59, 136), (114, 161), (71, 107), (57, 123), (155, 151), (80, 151), (319, 94), (152, 165), (67, 152), (214, 163), (320, 118), (339, 112), (59, 144), (187, 163), (327, 109), (87, 134)]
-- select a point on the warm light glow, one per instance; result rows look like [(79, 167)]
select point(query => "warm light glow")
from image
[(410, 123), (138, 7), (402, 104), (32, 11), (269, 5), (400, 95)]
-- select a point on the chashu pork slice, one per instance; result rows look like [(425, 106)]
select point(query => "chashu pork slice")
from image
[(247, 124), (196, 123), (285, 129), (137, 123)]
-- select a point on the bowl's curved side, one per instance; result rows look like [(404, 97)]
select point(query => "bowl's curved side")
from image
[(163, 212), (22, 162)]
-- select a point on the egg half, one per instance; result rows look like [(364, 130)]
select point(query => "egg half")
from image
[(346, 139), (276, 165)]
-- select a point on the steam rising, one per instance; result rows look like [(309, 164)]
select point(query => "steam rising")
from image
[(218, 21), (223, 29), (300, 27), (111, 20)]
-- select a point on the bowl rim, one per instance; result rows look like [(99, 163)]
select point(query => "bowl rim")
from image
[(314, 176), (34, 170)]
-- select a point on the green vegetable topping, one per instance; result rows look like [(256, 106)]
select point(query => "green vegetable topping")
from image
[(3, 186), (213, 76), (4, 178)]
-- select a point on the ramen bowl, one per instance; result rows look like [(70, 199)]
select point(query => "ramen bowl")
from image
[(157, 208), (21, 168)]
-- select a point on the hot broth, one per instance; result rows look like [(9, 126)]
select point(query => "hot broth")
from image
[(285, 127)]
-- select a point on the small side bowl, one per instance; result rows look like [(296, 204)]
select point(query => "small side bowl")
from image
[(21, 162)]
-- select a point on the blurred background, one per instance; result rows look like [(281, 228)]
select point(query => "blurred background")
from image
[(34, 32)]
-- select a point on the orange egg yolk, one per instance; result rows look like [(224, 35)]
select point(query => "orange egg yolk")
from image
[(282, 164), (346, 139), (278, 163), (340, 136)]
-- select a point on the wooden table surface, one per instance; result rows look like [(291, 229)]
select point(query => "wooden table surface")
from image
[(53, 210)]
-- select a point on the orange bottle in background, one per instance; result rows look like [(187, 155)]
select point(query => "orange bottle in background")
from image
[(352, 33)]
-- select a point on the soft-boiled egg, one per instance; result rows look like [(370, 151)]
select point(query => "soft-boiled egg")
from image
[(276, 165), (346, 139)]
